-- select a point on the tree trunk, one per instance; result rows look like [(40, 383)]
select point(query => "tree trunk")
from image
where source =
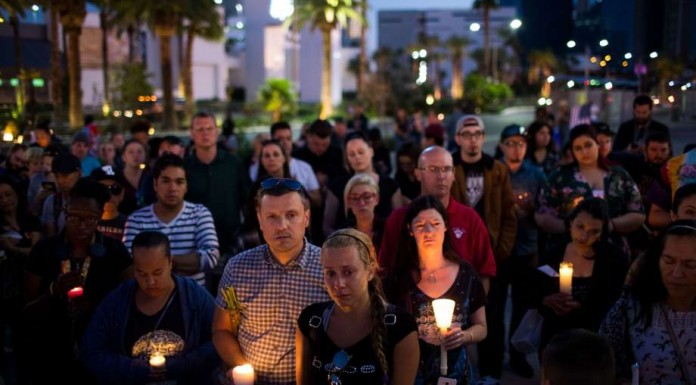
[(486, 42), (75, 73), (20, 91), (187, 76), (362, 60), (169, 118), (494, 63), (326, 104), (56, 69), (130, 31), (103, 19), (456, 78), (437, 89)]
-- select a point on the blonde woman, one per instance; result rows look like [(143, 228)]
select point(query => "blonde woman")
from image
[(356, 338), (360, 197)]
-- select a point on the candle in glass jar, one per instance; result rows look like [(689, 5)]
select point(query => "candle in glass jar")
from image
[(157, 360), (565, 272), (243, 375)]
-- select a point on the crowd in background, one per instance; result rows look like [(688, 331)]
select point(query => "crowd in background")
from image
[(316, 259)]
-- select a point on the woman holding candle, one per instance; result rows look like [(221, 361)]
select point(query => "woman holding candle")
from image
[(157, 326), (357, 338), (652, 324), (591, 270), (427, 269), (589, 176)]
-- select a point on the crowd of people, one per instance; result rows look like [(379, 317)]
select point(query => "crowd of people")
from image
[(316, 261)]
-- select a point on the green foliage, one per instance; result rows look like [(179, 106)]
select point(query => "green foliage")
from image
[(485, 95), (128, 82), (278, 97)]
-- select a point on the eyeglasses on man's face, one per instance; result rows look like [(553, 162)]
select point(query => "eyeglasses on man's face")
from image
[(470, 135), (435, 170)]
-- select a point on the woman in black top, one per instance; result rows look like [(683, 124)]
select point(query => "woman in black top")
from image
[(357, 338)]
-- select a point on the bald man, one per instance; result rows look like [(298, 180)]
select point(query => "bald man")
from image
[(466, 229)]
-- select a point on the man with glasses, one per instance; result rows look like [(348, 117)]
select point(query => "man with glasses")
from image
[(483, 184), (466, 230), (527, 181), (112, 222), (189, 226), (264, 289), (216, 180)]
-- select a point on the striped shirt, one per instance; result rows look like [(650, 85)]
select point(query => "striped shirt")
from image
[(271, 296), (192, 230)]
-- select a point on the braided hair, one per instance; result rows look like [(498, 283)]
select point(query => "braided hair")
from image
[(378, 305)]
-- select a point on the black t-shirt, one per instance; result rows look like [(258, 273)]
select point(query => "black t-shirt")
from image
[(144, 335), (363, 368), (475, 185), (113, 228), (104, 271)]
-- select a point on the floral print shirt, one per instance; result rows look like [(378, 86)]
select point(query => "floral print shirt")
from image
[(566, 187)]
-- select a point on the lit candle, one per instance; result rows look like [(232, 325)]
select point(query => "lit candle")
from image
[(75, 292), (635, 374), (157, 360), (565, 272), (443, 309), (243, 375)]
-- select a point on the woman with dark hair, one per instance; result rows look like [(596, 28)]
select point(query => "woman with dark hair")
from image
[(273, 163), (357, 337), (651, 327), (407, 160), (427, 268), (541, 149), (359, 158), (134, 164), (599, 269), (589, 176)]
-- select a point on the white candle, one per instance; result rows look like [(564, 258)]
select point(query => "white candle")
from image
[(157, 360), (565, 272), (243, 375), (635, 374), (443, 309)]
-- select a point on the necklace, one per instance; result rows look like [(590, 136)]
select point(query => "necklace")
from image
[(430, 277)]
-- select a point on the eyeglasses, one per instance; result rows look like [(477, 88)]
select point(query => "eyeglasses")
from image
[(469, 135), (364, 198), (288, 183), (208, 129), (76, 219), (438, 170), (340, 360), (516, 144), (115, 189)]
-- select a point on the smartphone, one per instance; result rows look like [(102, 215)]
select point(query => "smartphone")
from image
[(50, 186)]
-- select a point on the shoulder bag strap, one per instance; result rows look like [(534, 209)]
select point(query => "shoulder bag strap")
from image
[(677, 348)]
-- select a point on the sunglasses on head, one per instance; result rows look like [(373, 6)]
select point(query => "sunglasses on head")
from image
[(288, 183), (339, 362)]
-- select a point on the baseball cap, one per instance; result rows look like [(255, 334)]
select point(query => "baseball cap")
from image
[(81, 137), (435, 131), (65, 164), (469, 120), (513, 130), (108, 173)]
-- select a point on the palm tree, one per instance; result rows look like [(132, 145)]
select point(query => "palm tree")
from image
[(72, 15), (325, 15), (511, 41), (541, 63), (362, 62), (485, 6), (432, 46), (203, 21), (457, 50)]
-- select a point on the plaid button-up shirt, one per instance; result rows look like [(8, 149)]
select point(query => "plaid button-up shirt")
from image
[(272, 296)]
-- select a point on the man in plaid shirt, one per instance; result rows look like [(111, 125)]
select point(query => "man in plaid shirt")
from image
[(263, 290)]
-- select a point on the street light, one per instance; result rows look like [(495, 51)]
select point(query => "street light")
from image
[(475, 27), (550, 79), (628, 56), (515, 23), (653, 55), (603, 43), (571, 44)]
